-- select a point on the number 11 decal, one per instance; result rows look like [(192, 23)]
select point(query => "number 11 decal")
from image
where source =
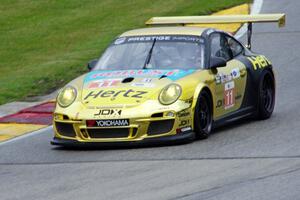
[(229, 95)]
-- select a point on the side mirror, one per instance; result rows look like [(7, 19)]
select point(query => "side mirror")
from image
[(92, 64), (217, 62)]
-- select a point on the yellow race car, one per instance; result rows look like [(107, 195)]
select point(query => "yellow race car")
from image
[(167, 84)]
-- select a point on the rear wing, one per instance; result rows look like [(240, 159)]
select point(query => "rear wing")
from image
[(221, 19)]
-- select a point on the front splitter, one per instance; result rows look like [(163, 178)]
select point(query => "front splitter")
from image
[(181, 138)]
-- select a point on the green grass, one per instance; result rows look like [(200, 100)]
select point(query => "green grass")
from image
[(47, 43)]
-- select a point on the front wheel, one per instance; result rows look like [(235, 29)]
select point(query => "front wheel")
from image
[(266, 95), (203, 116)]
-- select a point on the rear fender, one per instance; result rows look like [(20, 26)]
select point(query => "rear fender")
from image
[(255, 64)]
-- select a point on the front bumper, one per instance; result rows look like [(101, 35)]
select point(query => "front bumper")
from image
[(155, 129), (169, 140), (149, 123)]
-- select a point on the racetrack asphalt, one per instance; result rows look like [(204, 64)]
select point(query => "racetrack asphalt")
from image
[(251, 160)]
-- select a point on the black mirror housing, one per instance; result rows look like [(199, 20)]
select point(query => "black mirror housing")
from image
[(217, 62), (92, 64)]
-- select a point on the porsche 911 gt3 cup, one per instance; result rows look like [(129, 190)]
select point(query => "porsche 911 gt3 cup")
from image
[(167, 84)]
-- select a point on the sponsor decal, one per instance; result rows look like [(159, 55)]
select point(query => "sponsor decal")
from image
[(226, 78), (184, 129), (218, 79), (147, 80), (103, 83), (189, 101), (142, 85), (173, 74), (184, 123), (164, 108), (221, 102), (188, 128), (259, 62), (229, 94), (235, 73), (112, 93), (183, 114), (165, 38), (223, 78), (107, 123), (149, 38), (188, 39), (105, 112)]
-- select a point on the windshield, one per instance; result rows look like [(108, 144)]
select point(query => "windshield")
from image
[(153, 52)]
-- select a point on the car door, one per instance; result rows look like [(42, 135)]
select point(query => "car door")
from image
[(230, 81)]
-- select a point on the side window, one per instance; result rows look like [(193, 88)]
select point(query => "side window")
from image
[(235, 47), (219, 47)]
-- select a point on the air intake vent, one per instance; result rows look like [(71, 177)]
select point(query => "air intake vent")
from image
[(160, 127), (109, 133), (128, 80), (163, 76), (157, 115), (65, 129)]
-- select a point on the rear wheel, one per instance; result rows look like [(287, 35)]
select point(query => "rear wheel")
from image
[(266, 96), (203, 115)]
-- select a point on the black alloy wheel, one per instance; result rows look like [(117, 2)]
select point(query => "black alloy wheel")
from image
[(203, 116), (266, 96)]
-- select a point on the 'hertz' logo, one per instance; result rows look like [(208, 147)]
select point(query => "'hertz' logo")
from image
[(111, 93), (259, 62)]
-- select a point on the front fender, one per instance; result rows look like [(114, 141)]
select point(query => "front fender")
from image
[(199, 88)]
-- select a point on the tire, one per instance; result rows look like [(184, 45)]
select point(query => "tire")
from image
[(266, 99), (203, 115)]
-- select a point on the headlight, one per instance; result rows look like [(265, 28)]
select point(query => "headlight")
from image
[(67, 96), (169, 94)]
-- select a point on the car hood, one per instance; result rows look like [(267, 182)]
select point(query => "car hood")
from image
[(123, 87)]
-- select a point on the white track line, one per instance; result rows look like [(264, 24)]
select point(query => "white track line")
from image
[(26, 135), (255, 9)]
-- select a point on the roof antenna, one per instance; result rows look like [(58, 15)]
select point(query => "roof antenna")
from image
[(249, 35)]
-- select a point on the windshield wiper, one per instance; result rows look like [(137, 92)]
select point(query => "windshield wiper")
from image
[(147, 61)]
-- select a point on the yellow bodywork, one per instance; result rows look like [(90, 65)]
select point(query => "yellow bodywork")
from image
[(134, 105), (178, 30), (140, 111)]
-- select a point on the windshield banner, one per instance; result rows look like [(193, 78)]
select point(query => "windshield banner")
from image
[(171, 38), (173, 74)]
